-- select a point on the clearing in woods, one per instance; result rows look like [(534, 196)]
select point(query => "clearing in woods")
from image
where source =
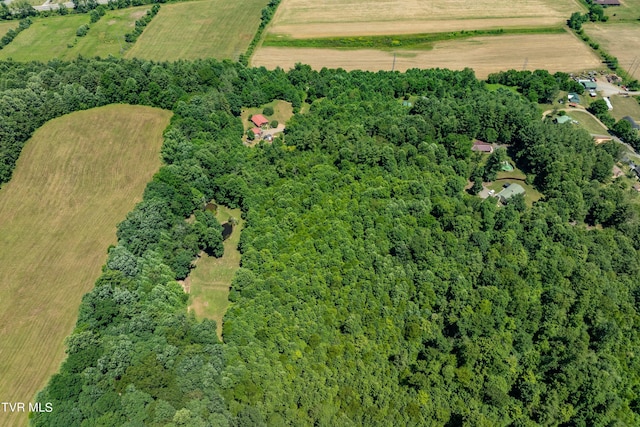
[(282, 112), (621, 41), (210, 280), (75, 180), (487, 54), (587, 122), (218, 29), (311, 19)]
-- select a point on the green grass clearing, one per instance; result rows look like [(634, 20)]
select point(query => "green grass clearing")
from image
[(628, 11), (55, 37), (305, 108), (516, 176), (199, 29), (399, 41), (75, 180), (587, 122), (45, 39), (106, 37), (282, 112), (210, 280), (531, 195), (6, 26), (625, 106)]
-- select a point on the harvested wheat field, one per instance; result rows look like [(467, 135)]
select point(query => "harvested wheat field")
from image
[(484, 54), (621, 41), (311, 19), (75, 180)]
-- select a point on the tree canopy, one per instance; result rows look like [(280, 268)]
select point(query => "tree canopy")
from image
[(373, 289)]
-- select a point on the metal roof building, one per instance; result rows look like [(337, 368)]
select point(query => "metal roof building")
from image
[(509, 192)]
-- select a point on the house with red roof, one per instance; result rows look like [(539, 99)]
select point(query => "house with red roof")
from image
[(259, 120), (481, 146)]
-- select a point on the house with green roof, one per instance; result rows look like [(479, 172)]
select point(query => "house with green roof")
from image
[(588, 84), (562, 119), (509, 192)]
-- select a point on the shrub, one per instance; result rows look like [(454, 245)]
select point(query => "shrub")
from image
[(82, 30), (274, 124), (267, 111)]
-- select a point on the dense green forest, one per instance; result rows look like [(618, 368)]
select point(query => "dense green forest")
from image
[(374, 290)]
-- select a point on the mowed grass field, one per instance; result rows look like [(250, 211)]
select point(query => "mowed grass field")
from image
[(55, 37), (621, 40), (282, 112), (310, 19), (6, 26), (199, 29), (211, 279), (106, 37), (629, 10), (75, 181), (484, 54), (587, 121), (45, 39), (625, 106)]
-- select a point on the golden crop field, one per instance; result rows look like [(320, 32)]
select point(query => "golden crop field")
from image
[(75, 180), (484, 54), (312, 19), (621, 40), (199, 29)]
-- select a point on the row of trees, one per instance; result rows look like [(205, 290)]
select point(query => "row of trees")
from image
[(373, 289), (13, 33), (141, 24), (266, 14)]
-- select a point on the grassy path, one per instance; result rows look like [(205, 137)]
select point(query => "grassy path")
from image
[(210, 281)]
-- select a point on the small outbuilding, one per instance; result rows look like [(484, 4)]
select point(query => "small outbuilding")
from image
[(257, 132), (562, 119), (588, 84), (259, 120), (509, 192), (608, 102), (574, 97)]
